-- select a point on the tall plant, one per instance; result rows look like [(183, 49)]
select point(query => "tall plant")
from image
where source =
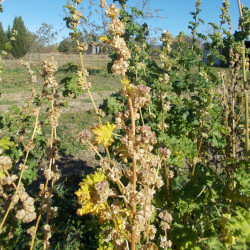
[(244, 26)]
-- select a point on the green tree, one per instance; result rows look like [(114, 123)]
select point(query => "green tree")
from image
[(68, 46), (21, 42), (3, 38)]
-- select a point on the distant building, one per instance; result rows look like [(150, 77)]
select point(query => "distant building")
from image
[(94, 48)]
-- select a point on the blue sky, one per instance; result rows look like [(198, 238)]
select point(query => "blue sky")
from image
[(176, 13)]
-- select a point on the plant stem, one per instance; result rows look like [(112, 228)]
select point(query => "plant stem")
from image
[(246, 88), (41, 210), (48, 214), (108, 154), (89, 93), (200, 143), (167, 182), (113, 217), (147, 223), (47, 180), (142, 120), (90, 144), (234, 126), (7, 173), (163, 116), (133, 240)]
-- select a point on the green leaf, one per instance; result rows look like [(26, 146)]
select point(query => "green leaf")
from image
[(6, 143), (214, 26), (201, 20), (215, 244)]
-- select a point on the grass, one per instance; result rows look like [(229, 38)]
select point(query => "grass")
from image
[(7, 102), (79, 114), (70, 124)]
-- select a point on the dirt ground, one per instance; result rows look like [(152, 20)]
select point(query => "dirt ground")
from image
[(82, 103)]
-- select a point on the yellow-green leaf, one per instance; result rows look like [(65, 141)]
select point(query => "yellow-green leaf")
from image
[(6, 143), (105, 39), (103, 134)]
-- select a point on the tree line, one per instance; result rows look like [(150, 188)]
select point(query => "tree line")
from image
[(20, 41)]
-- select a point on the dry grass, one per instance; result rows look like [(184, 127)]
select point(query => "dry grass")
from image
[(15, 85)]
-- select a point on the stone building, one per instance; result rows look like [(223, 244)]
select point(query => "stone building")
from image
[(94, 48)]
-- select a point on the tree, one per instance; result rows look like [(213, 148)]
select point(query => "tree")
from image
[(68, 46), (20, 44), (45, 36), (3, 38)]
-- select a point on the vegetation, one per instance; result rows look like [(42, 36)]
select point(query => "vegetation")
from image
[(20, 40), (170, 148), (3, 38), (68, 46)]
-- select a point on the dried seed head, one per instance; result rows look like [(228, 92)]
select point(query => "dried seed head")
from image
[(165, 243), (116, 27), (120, 47), (119, 67), (31, 231), (48, 68), (5, 162), (77, 1), (82, 47), (165, 152), (112, 11), (84, 136), (102, 3)]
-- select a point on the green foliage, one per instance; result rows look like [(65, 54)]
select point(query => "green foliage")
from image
[(20, 41), (12, 123), (70, 83), (182, 149), (13, 236), (245, 21), (113, 105), (6, 143), (238, 229), (68, 46), (121, 2), (3, 38), (69, 21)]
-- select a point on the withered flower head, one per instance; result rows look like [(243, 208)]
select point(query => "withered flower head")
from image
[(112, 11)]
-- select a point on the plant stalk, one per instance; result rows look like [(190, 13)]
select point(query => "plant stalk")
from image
[(133, 240), (167, 182), (246, 88)]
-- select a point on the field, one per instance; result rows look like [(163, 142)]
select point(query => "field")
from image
[(78, 114)]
